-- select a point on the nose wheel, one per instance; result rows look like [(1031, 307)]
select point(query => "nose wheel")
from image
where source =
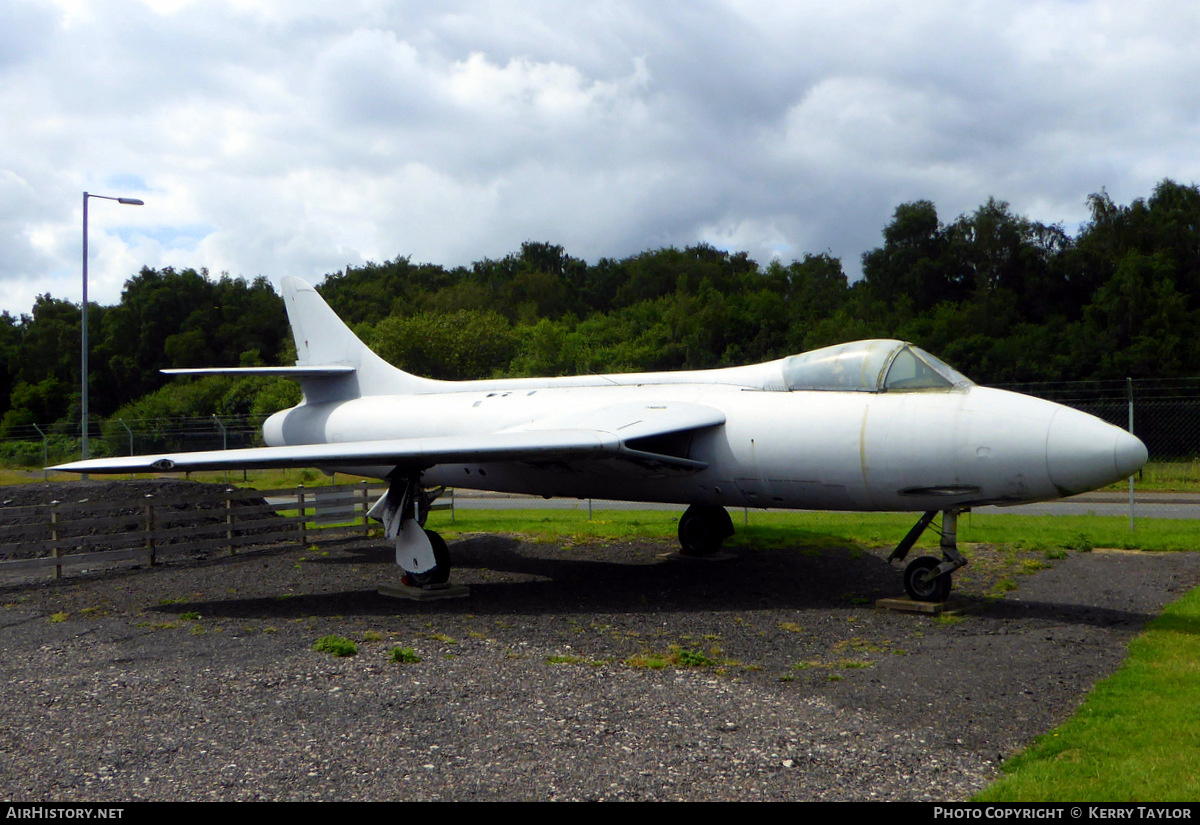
[(922, 581)]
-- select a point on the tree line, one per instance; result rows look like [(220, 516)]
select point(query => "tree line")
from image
[(1001, 297)]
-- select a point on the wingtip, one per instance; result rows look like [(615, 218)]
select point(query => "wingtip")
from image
[(293, 284)]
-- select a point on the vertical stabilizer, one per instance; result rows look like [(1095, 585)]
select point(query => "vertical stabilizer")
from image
[(322, 340)]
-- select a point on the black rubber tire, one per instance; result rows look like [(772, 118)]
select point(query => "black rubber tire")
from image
[(922, 587), (703, 528), (440, 574)]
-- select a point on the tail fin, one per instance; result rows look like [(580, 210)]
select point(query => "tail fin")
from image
[(323, 340)]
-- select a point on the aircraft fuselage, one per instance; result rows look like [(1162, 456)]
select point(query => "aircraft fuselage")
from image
[(899, 451)]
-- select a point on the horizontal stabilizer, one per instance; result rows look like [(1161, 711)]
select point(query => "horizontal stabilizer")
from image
[(325, 371)]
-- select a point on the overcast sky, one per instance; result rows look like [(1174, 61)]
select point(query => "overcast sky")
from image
[(294, 138)]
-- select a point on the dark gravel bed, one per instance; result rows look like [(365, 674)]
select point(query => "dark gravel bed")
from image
[(198, 680)]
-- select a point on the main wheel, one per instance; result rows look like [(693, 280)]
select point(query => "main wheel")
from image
[(702, 529), (920, 582), (440, 572)]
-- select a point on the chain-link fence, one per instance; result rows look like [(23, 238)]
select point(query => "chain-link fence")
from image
[(1166, 416), (33, 446), (1165, 413)]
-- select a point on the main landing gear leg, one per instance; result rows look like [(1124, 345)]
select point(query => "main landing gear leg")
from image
[(926, 578), (702, 529), (422, 554)]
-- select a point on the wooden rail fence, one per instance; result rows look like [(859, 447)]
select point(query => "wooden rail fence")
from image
[(145, 529)]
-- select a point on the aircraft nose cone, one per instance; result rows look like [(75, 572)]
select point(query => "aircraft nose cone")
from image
[(1083, 452), (1130, 454)]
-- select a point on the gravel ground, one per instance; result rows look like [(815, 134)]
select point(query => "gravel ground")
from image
[(198, 680)]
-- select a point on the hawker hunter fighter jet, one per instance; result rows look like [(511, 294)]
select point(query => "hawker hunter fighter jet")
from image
[(864, 426)]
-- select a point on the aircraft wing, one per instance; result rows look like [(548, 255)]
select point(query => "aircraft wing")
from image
[(606, 432)]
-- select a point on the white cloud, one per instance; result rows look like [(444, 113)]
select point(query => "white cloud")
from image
[(295, 138)]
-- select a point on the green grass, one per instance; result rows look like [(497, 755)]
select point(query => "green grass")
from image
[(1137, 736), (812, 530), (1167, 476)]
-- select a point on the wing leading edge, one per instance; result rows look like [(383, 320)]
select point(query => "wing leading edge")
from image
[(602, 433)]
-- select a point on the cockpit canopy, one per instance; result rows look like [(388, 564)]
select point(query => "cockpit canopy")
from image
[(880, 365)]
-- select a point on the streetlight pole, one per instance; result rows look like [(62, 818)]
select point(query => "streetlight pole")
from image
[(83, 344)]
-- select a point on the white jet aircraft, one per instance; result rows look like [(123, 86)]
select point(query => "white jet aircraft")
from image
[(865, 426)]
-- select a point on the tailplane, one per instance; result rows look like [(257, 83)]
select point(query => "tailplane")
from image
[(332, 364)]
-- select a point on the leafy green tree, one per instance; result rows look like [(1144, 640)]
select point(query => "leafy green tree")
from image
[(1000, 251), (458, 345), (10, 353), (185, 319), (549, 348), (1139, 324), (916, 262)]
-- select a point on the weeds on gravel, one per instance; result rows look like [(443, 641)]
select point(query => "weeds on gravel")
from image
[(404, 656), (693, 658), (568, 659), (679, 657), (1001, 587), (649, 661), (336, 646), (1134, 738)]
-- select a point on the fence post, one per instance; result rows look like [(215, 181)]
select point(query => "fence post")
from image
[(229, 518), (300, 512), (150, 544), (366, 505), (224, 441), (126, 426), (54, 538), (45, 452), (1129, 386)]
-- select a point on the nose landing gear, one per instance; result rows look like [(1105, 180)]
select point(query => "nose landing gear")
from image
[(926, 578)]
